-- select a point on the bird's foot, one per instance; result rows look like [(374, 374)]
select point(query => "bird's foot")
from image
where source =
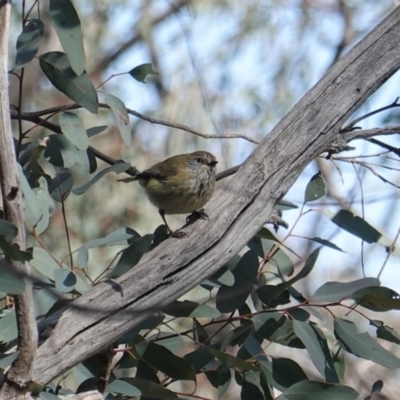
[(178, 234), (196, 215)]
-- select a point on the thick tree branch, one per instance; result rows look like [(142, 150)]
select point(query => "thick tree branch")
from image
[(19, 375), (236, 212)]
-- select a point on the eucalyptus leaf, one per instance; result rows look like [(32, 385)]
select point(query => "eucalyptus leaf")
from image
[(315, 188), (141, 71), (363, 345), (312, 390), (117, 168), (72, 127), (121, 117), (78, 88), (66, 23), (28, 43)]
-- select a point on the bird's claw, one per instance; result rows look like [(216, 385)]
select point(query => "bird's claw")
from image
[(196, 215)]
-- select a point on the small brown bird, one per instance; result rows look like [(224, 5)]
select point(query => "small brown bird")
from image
[(180, 184)]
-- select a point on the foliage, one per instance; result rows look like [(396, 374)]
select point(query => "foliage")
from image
[(223, 332)]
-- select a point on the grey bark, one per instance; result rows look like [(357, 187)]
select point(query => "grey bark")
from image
[(19, 375), (236, 212)]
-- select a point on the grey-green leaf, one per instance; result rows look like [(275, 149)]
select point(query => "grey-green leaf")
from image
[(141, 71), (60, 186), (72, 127), (165, 361), (8, 230), (8, 327), (28, 43), (122, 387), (65, 280), (363, 345), (121, 117), (335, 291), (312, 390), (317, 348), (117, 168), (315, 188), (80, 89), (10, 282), (66, 22), (230, 298)]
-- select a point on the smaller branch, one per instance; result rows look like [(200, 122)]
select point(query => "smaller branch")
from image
[(352, 124), (132, 171), (137, 114), (368, 133)]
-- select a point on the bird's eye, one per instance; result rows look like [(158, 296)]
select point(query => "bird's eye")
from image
[(200, 160)]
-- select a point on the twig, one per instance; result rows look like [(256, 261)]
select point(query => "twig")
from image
[(352, 124), (137, 114)]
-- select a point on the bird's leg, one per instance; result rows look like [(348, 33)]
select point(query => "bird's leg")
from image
[(170, 231), (196, 215)]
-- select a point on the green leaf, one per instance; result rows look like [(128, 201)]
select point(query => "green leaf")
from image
[(308, 266), (237, 336), (323, 242), (232, 361), (385, 332), (8, 327), (220, 378), (13, 252), (95, 130), (335, 291), (173, 344), (357, 226), (280, 258), (72, 127), (141, 71), (315, 188), (44, 300), (65, 280), (121, 236), (28, 43), (131, 256), (80, 89), (264, 292), (60, 186), (121, 117), (282, 372), (376, 389), (10, 282), (165, 361), (152, 390), (363, 345), (199, 358), (250, 391), (377, 298), (62, 153), (44, 263), (42, 198), (222, 277), (230, 298), (117, 168), (32, 208), (122, 387), (312, 390), (7, 359), (317, 348), (66, 22), (191, 309), (277, 328), (285, 205)]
